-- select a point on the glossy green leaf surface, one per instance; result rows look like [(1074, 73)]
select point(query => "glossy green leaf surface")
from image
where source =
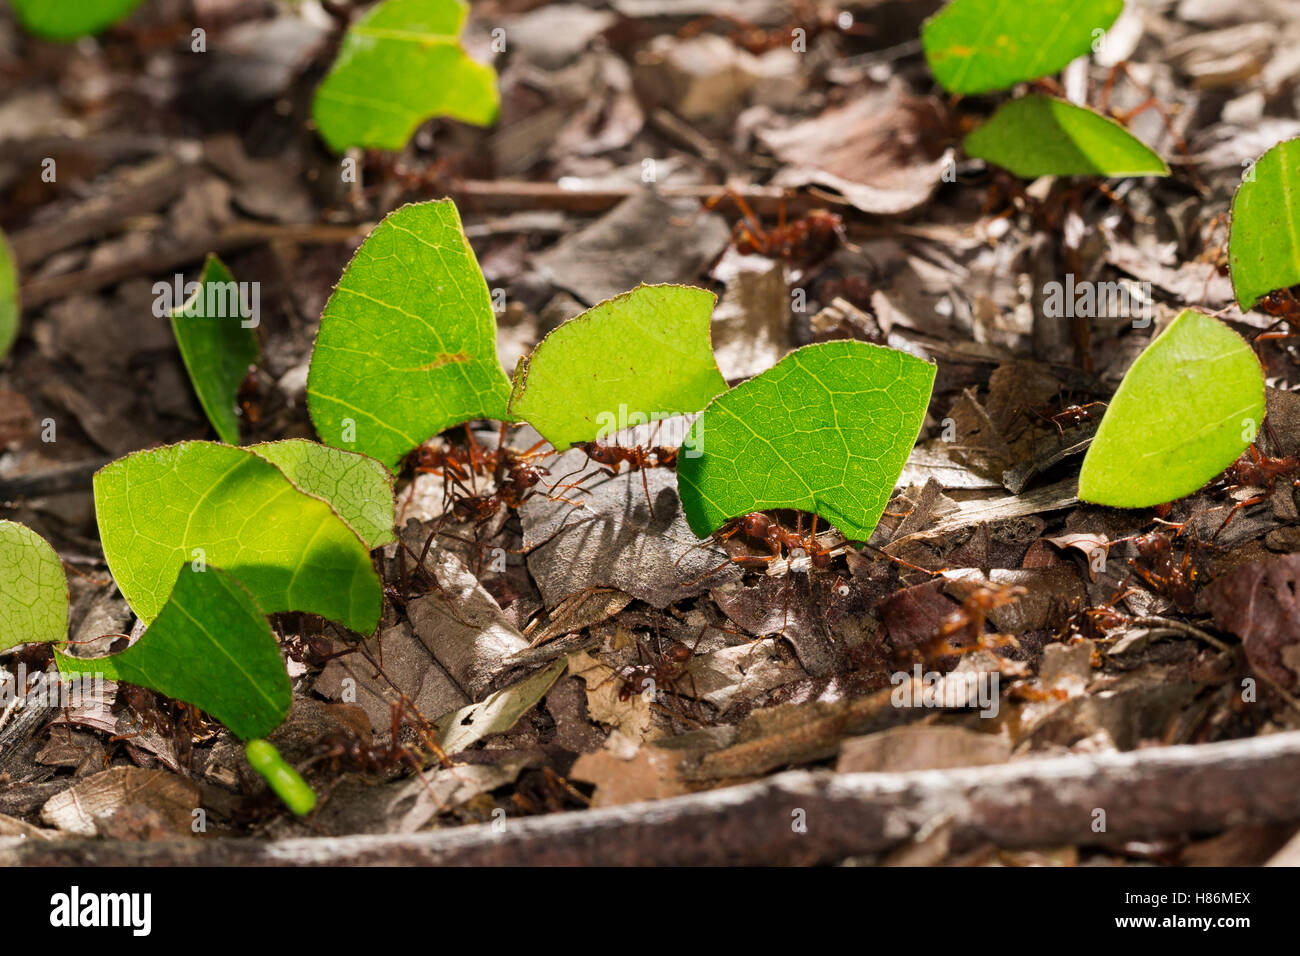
[(639, 357), (1264, 245), (407, 342), (210, 646), (290, 550), (826, 430), (977, 46), (1042, 136), (1190, 405), (399, 65), (217, 348), (358, 487), (70, 19), (33, 588)]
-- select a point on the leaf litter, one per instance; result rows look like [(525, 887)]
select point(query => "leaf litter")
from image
[(521, 646)]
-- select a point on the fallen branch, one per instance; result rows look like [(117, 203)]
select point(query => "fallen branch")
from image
[(1037, 802)]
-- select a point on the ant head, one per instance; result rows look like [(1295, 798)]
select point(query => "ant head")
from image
[(603, 454), (755, 524)]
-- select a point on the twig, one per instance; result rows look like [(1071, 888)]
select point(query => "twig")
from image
[(236, 236), (55, 480), (1040, 802), (1171, 625)]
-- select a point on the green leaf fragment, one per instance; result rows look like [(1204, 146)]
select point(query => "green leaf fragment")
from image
[(1264, 244), (977, 46), (217, 347), (638, 357), (400, 65), (210, 646), (358, 488), (1190, 405), (70, 19), (1043, 136), (8, 297), (407, 342), (33, 588), (286, 782), (826, 430), (224, 506)]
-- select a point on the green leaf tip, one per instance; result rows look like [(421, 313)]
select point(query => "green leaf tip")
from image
[(399, 65), (979, 46), (1043, 136), (217, 344), (1190, 405), (33, 588), (1264, 242), (826, 430), (407, 342), (284, 781), (640, 356)]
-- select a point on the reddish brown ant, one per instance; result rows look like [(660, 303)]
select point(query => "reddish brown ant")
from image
[(611, 457), (1256, 470), (1157, 569), (962, 631), (808, 239), (1285, 307), (662, 670)]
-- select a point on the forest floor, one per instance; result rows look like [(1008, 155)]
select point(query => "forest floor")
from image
[(1102, 637)]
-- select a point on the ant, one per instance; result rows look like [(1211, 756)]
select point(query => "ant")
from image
[(1156, 568), (1256, 470), (1074, 415), (962, 631), (662, 671), (1285, 307), (343, 750), (515, 475), (766, 531), (810, 238), (249, 397), (638, 458)]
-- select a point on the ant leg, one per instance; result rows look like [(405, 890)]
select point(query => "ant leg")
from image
[(1232, 513)]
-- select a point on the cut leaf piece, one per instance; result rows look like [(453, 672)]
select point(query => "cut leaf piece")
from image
[(1264, 244), (1043, 136), (69, 19), (407, 342), (212, 647), (400, 65), (826, 430), (1190, 405), (977, 46), (359, 488), (218, 505), (217, 348), (33, 588), (636, 358), (8, 297)]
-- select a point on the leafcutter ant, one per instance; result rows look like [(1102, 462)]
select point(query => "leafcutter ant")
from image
[(1256, 470), (962, 631), (807, 239)]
